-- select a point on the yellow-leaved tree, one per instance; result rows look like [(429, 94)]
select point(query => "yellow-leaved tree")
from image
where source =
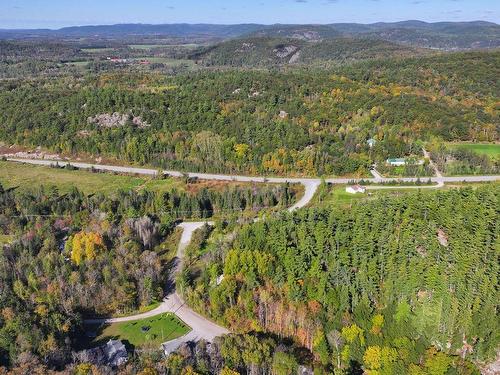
[(85, 246)]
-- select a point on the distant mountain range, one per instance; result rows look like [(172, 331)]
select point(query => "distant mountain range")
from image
[(440, 35)]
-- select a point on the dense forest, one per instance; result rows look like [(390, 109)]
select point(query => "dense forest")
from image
[(276, 51), (309, 122), (394, 285), (59, 247)]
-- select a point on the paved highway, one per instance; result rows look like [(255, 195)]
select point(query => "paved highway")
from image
[(309, 183)]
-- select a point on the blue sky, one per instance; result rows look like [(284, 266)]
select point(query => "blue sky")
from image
[(59, 13)]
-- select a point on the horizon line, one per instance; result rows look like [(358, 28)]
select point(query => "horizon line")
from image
[(238, 24)]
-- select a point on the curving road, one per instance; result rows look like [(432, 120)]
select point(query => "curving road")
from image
[(202, 328)]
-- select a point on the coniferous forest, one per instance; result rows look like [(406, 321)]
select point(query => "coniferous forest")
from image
[(378, 286)]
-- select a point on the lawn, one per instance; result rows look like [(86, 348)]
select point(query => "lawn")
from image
[(28, 176), (338, 196), (146, 332), (490, 149)]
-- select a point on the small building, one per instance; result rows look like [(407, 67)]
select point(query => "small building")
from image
[(396, 162), (115, 59), (355, 189)]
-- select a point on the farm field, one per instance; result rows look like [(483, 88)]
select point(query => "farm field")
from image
[(146, 332), (97, 50), (490, 149), (27, 177), (146, 46)]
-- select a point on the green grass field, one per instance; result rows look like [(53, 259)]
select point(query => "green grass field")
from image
[(146, 332), (27, 177), (146, 46), (80, 64), (151, 46), (98, 50), (337, 196), (490, 149)]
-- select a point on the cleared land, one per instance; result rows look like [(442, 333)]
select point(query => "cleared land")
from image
[(167, 61), (151, 46), (97, 50), (490, 149), (26, 177), (146, 332), (337, 196)]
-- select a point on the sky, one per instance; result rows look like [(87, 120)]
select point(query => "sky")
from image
[(61, 13)]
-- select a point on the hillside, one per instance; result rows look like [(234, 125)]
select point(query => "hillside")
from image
[(295, 121), (446, 37), (440, 35), (275, 51)]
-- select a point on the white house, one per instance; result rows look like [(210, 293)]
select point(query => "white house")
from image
[(355, 189), (397, 162)]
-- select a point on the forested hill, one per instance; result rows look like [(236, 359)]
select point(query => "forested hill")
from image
[(276, 51), (440, 35), (293, 121), (376, 285)]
